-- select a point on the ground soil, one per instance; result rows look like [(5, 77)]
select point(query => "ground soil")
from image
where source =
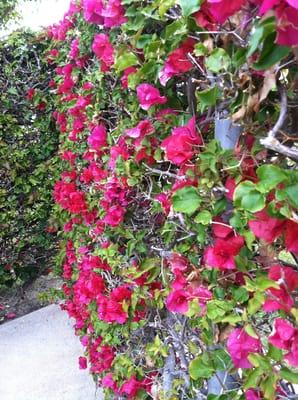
[(18, 301)]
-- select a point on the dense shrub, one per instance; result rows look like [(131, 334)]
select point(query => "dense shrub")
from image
[(28, 146), (180, 251)]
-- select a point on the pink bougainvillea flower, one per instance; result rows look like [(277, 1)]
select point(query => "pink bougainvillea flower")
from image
[(266, 227), (114, 215), (222, 254), (284, 275), (268, 5), (278, 299), (148, 96), (98, 138), (119, 150), (114, 14), (240, 345), (69, 198), (177, 301), (110, 310), (230, 185), (30, 93), (178, 263), (292, 356), (10, 315), (108, 382), (179, 147), (164, 200), (140, 131), (252, 394), (203, 295), (127, 72), (131, 387), (221, 10), (104, 51), (220, 229), (291, 236), (287, 20), (83, 362), (74, 48), (177, 62), (282, 335), (101, 357), (93, 11)]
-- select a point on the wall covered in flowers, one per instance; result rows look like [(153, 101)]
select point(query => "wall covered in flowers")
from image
[(177, 203)]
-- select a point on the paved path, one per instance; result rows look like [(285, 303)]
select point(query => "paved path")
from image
[(39, 359)]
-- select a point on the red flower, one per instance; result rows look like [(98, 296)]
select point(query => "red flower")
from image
[(148, 96), (164, 200), (140, 131), (266, 227), (93, 11), (221, 10), (114, 14), (131, 387), (287, 20), (292, 356), (177, 62), (127, 72), (291, 236), (103, 50), (177, 301), (284, 275), (283, 333), (178, 263), (30, 94), (83, 362), (240, 345), (111, 311), (179, 147), (252, 394), (222, 254), (114, 215), (98, 138)]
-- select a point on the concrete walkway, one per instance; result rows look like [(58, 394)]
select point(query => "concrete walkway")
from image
[(39, 359)]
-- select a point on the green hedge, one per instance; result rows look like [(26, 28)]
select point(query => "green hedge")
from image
[(28, 144)]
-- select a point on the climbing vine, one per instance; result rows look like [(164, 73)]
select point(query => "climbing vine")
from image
[(177, 203)]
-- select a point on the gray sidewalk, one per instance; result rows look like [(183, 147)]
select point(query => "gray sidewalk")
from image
[(39, 359)]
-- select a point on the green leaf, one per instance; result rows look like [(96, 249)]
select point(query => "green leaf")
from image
[(125, 60), (271, 54), (255, 303), (221, 360), (218, 60), (189, 6), (270, 176), (274, 353), (263, 283), (268, 386), (240, 294), (208, 97), (200, 50), (260, 33), (204, 217), (253, 378), (292, 194), (186, 200), (200, 367), (246, 196), (259, 361), (216, 309), (176, 28), (289, 375), (164, 6)]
